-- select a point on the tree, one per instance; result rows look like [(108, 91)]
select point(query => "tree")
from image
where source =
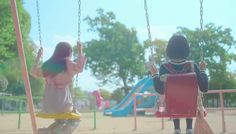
[(105, 94), (219, 46), (117, 95), (8, 47), (116, 57), (9, 60), (78, 93), (3, 83), (159, 46), (218, 54)]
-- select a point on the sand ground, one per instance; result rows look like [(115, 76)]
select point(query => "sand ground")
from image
[(116, 125)]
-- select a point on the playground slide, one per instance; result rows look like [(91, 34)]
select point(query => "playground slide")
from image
[(149, 103), (140, 83), (125, 107)]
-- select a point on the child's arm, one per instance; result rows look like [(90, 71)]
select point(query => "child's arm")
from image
[(202, 77), (36, 69), (82, 59), (78, 66), (158, 84)]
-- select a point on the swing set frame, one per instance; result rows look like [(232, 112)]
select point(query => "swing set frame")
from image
[(24, 69)]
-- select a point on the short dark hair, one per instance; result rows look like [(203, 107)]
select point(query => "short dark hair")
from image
[(178, 47)]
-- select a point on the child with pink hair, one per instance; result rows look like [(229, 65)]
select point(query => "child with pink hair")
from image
[(58, 72)]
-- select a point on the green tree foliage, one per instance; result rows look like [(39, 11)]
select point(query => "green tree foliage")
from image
[(8, 47), (11, 68), (117, 95), (105, 94), (9, 60), (160, 50), (3, 83), (218, 54), (116, 57), (7, 43), (78, 93)]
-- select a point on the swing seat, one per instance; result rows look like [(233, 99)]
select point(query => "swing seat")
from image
[(181, 91), (58, 115)]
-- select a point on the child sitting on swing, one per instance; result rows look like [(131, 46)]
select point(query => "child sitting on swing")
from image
[(177, 52), (58, 72)]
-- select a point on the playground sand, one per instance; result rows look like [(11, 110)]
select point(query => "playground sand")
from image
[(115, 125)]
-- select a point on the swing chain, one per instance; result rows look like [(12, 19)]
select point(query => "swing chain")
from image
[(39, 28), (201, 29), (201, 41), (79, 22), (201, 15), (147, 19), (79, 16), (148, 27)]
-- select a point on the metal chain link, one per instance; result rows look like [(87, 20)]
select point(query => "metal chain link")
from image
[(39, 28), (79, 22), (201, 29), (201, 43), (79, 16), (148, 27)]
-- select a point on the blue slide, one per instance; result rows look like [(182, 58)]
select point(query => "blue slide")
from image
[(125, 107)]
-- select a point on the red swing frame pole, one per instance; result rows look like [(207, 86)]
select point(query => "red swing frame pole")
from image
[(23, 64)]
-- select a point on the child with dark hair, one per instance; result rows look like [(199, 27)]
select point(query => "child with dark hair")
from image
[(58, 72), (178, 52)]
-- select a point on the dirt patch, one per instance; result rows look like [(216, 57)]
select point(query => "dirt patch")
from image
[(116, 125)]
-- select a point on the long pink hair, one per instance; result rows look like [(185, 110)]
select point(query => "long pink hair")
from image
[(57, 62)]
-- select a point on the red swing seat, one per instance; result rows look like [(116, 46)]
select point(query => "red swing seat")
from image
[(181, 91)]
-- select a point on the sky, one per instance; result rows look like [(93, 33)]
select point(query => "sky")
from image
[(59, 19)]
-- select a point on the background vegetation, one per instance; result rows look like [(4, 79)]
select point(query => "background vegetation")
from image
[(116, 57)]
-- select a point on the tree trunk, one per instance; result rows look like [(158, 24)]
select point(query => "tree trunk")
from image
[(126, 87)]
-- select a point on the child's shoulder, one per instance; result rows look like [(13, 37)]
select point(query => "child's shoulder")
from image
[(182, 63), (167, 66)]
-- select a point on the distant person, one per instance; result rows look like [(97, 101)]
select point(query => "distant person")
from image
[(58, 72), (178, 52)]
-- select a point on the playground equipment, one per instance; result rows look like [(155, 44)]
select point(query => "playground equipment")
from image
[(135, 109), (176, 85), (222, 107), (23, 60), (59, 115), (101, 104), (176, 105), (23, 64), (18, 105), (125, 107), (182, 98)]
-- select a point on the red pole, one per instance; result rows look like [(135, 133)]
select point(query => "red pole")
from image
[(222, 111), (23, 64)]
